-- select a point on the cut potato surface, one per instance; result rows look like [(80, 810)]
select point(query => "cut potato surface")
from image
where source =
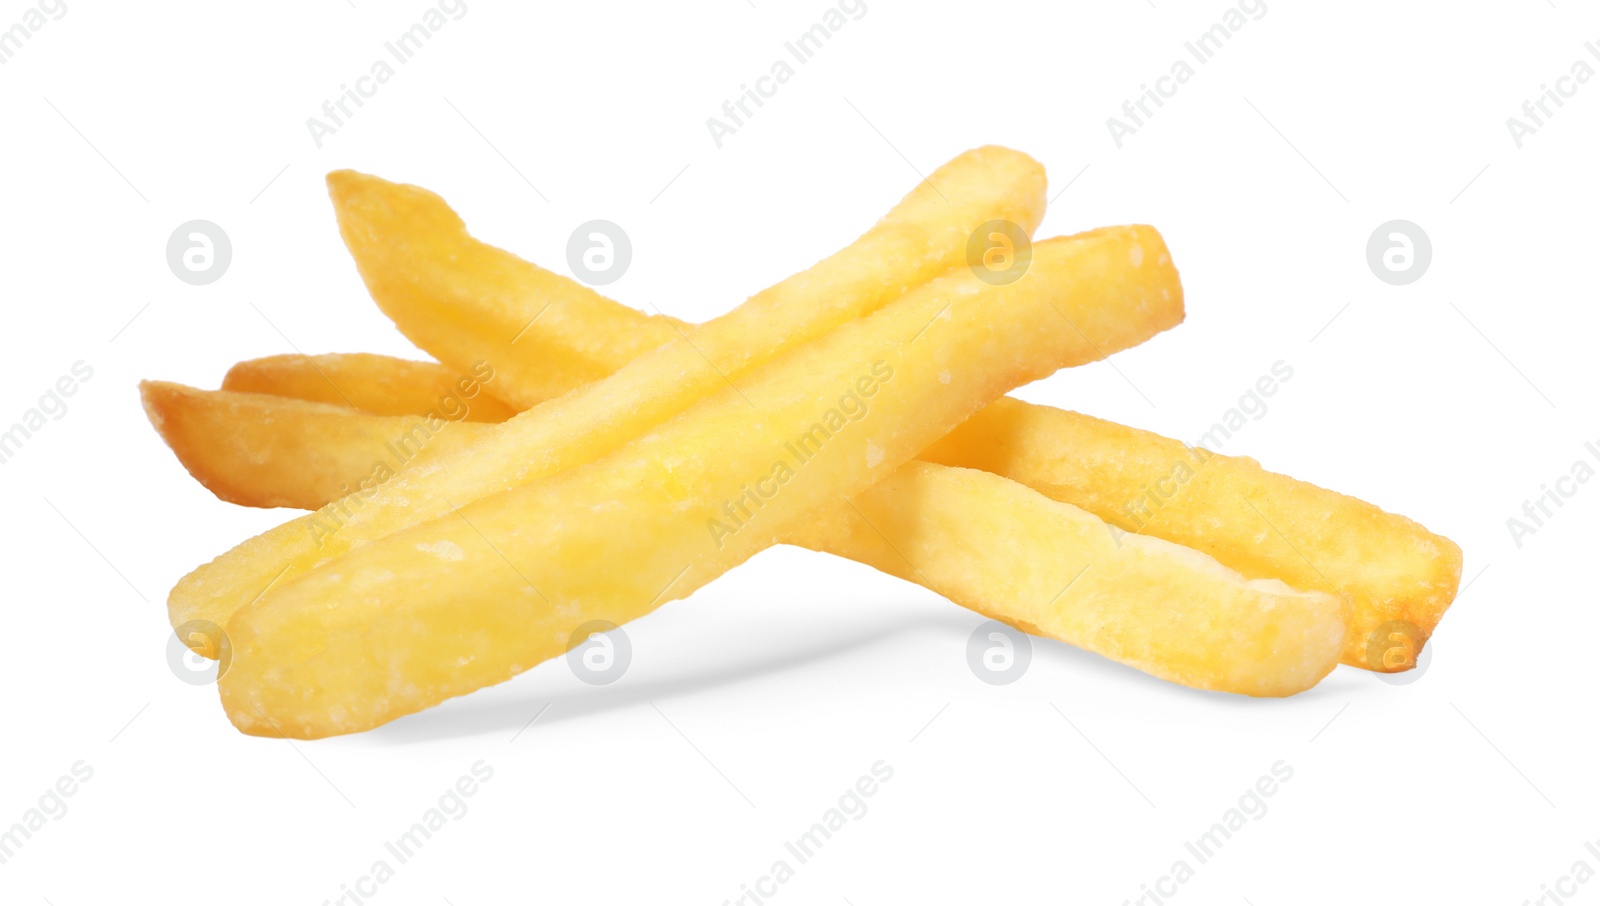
[(1051, 569), (501, 583), (1263, 524), (921, 237), (1260, 523), (570, 460)]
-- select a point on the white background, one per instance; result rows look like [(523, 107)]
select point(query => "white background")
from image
[(752, 706)]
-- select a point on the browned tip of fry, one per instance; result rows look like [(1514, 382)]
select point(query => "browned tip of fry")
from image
[(1388, 636), (235, 444), (164, 404), (148, 390), (173, 410)]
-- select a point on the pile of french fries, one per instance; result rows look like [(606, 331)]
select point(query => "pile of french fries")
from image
[(568, 460)]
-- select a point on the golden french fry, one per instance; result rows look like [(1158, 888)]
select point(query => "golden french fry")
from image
[(1260, 523), (1053, 570), (468, 302), (261, 450), (1393, 570), (985, 542), (450, 605), (465, 301), (270, 451), (379, 384), (1398, 575), (419, 263)]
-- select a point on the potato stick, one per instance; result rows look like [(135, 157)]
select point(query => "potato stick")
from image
[(470, 302), (985, 542), (991, 545), (266, 451), (1392, 569), (269, 451), (477, 596), (1395, 572), (1051, 569), (924, 235), (374, 383), (1260, 523), (465, 301)]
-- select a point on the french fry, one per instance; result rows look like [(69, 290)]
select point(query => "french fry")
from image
[(379, 384), (1053, 570), (465, 301), (416, 257), (1396, 573), (470, 599), (475, 303), (250, 448), (1260, 523), (260, 450), (986, 543)]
